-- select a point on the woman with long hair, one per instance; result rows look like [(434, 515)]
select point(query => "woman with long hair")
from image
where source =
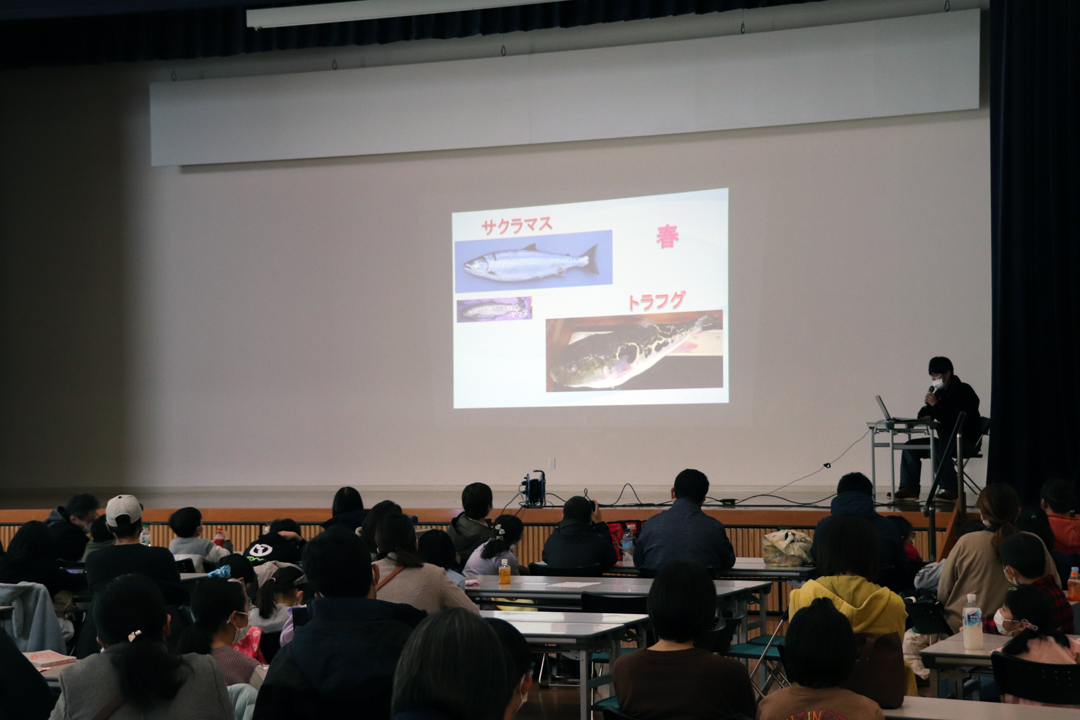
[(347, 511), (221, 610), (489, 557), (374, 519), (974, 566), (135, 676), (404, 577)]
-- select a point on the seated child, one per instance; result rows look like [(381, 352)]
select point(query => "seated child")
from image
[(281, 542), (914, 562), (819, 654), (221, 611), (188, 525), (487, 558), (672, 679), (1028, 615), (1024, 558), (281, 591)]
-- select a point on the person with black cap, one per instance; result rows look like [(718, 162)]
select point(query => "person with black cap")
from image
[(945, 400)]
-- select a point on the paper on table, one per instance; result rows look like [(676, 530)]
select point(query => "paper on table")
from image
[(573, 584)]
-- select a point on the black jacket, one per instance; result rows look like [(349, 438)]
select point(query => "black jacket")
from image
[(70, 540), (273, 547), (156, 563), (577, 544), (892, 560), (341, 663), (349, 520), (953, 399), (683, 532), (43, 571)]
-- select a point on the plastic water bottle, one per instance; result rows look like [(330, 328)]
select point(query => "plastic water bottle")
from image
[(628, 548), (1074, 585), (504, 572), (972, 625), (219, 537), (145, 537)]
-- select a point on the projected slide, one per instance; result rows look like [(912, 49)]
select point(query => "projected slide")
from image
[(614, 302)]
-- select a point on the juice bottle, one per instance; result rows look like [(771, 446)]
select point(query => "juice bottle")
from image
[(972, 624), (219, 537), (144, 538), (1074, 584), (504, 572)]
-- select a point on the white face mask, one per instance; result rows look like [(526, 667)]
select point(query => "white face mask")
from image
[(1011, 581), (999, 622), (937, 383)]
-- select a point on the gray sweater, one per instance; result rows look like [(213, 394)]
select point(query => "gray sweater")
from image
[(88, 685)]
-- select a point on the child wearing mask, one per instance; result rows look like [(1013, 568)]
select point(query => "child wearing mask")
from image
[(1027, 614), (1024, 558), (221, 609)]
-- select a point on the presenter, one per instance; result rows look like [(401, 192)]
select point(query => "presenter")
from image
[(947, 398)]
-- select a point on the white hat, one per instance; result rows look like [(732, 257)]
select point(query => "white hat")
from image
[(123, 505)]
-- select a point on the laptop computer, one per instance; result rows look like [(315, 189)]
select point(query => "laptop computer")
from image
[(890, 418)]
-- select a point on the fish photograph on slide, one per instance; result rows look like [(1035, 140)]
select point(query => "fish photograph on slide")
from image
[(636, 352), (492, 309), (535, 262)]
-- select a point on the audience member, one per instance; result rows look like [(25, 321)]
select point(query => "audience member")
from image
[(973, 565), (281, 542), (406, 578), (123, 515), (436, 548), (520, 664), (1024, 557), (374, 519), (221, 612), (281, 591), (136, 676), (855, 496), (343, 658), (347, 511), (100, 537), (927, 578), (1028, 614), (683, 531), (471, 528), (819, 655), (673, 680), (31, 557), (488, 557), (1059, 502), (452, 668), (24, 693), (848, 563), (582, 538), (914, 562), (70, 524), (239, 567), (188, 525)]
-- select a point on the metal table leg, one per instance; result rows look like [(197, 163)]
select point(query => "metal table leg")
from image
[(585, 656)]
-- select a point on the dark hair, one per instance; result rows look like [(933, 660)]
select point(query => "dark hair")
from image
[(437, 548), (1027, 602), (374, 518), (338, 564), (516, 647), (214, 602), (99, 530), (819, 651), (903, 526), (848, 545), (682, 601), (149, 675), (431, 675), (512, 529), (282, 581), (1060, 495), (1000, 505), (81, 505), (397, 535), (476, 501), (939, 365), (239, 567), (692, 485), (124, 527), (185, 521), (347, 499), (855, 482), (1034, 520), (287, 524), (1025, 554), (33, 540), (578, 508)]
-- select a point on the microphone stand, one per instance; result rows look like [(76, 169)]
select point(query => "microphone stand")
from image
[(929, 510)]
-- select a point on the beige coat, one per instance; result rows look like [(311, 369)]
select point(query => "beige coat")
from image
[(425, 588), (973, 567)]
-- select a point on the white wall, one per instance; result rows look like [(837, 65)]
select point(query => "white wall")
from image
[(258, 334)]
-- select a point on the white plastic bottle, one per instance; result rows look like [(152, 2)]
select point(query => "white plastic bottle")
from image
[(144, 538), (628, 548), (972, 624)]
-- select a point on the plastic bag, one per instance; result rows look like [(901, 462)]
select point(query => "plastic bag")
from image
[(786, 548)]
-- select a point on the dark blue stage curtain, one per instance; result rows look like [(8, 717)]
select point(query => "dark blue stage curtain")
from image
[(49, 33), (1035, 181)]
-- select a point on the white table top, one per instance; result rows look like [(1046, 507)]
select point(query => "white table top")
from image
[(512, 616), (531, 586), (552, 626), (191, 577), (748, 567), (923, 708)]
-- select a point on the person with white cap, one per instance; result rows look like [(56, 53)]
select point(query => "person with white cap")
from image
[(123, 517)]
